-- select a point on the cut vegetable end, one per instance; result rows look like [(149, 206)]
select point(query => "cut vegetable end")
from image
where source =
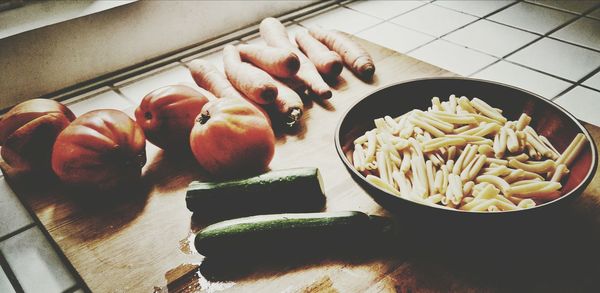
[(293, 117), (367, 71), (203, 118), (293, 65), (335, 69)]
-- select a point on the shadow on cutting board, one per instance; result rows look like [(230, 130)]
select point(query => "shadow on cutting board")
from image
[(562, 256)]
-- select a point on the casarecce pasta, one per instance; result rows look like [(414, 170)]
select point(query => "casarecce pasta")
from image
[(464, 154)]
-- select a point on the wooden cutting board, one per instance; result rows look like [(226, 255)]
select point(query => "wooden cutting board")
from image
[(143, 242)]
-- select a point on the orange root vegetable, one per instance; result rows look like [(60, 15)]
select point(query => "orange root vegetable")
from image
[(208, 77), (289, 104), (328, 63), (256, 84), (279, 62), (275, 35), (355, 57)]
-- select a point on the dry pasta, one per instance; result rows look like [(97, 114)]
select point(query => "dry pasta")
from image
[(464, 154)]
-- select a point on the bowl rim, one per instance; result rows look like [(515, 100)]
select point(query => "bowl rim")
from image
[(577, 189)]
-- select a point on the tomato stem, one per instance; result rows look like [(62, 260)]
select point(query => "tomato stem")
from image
[(203, 118)]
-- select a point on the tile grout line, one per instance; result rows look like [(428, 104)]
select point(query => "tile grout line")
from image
[(12, 278), (55, 247), (541, 37), (579, 83), (72, 289), (561, 10), (16, 232), (459, 28), (121, 94), (498, 59), (384, 19)]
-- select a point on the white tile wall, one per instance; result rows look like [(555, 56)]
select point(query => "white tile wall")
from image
[(292, 30), (385, 9), (539, 83), (595, 14), (582, 103), (395, 37), (215, 55), (83, 104), (584, 31), (594, 81), (452, 57), (13, 215), (575, 6), (433, 20), (479, 8), (35, 264), (5, 285), (532, 17), (343, 19), (137, 88), (492, 38), (558, 58)]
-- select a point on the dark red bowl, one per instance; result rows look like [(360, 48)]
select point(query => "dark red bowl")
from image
[(548, 119)]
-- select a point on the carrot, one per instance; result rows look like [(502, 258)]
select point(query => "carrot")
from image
[(279, 62), (254, 83), (355, 57), (274, 34), (289, 104), (209, 78), (328, 63)]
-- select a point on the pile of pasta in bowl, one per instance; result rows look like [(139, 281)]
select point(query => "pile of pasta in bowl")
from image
[(464, 154)]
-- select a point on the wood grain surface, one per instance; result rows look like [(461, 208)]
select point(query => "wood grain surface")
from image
[(141, 241)]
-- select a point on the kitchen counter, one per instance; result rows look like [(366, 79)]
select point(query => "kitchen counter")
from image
[(143, 240)]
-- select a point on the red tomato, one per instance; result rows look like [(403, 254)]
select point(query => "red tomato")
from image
[(167, 115), (231, 137), (28, 132), (102, 149)]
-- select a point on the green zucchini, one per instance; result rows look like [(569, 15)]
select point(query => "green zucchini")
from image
[(291, 190), (283, 233)]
